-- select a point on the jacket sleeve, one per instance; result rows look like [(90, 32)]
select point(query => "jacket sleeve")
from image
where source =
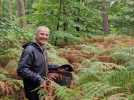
[(52, 66), (25, 63)]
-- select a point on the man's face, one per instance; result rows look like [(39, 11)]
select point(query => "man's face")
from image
[(42, 36)]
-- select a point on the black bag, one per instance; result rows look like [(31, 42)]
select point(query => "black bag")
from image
[(64, 71)]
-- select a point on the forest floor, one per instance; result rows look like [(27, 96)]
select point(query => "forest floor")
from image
[(97, 48)]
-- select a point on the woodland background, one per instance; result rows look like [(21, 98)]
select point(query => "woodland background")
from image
[(95, 36)]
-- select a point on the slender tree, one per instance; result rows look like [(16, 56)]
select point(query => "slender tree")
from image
[(105, 16), (28, 6), (77, 20), (65, 22), (10, 8), (21, 12), (60, 14), (0, 7)]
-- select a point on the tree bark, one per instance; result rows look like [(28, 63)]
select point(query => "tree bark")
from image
[(21, 12), (105, 16)]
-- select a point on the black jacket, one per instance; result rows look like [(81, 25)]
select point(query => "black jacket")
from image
[(32, 66)]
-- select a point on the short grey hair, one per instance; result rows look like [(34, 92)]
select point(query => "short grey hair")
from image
[(40, 28)]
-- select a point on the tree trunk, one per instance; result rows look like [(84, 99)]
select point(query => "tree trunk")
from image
[(77, 20), (65, 23), (77, 27), (10, 8), (60, 14), (105, 16), (28, 6), (21, 12), (0, 8)]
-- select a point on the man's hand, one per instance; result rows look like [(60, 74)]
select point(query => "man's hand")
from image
[(43, 84), (46, 84), (52, 76), (55, 76)]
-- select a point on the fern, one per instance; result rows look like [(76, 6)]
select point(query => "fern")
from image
[(131, 97), (122, 78), (8, 25), (42, 94), (86, 76), (62, 38), (65, 93), (96, 89), (86, 63), (97, 66), (91, 49), (123, 55), (117, 96), (106, 83), (9, 86), (61, 92), (96, 71), (54, 57)]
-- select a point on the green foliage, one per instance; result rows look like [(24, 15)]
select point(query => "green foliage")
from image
[(124, 56), (2, 76), (53, 56), (95, 71), (9, 86), (97, 66), (83, 16), (86, 63), (11, 38), (122, 17), (117, 96), (63, 38), (55, 59), (64, 93), (91, 49), (122, 78), (8, 25), (66, 15), (3, 71), (44, 12), (12, 32), (78, 15), (131, 97), (86, 76), (96, 89), (108, 83), (42, 94), (70, 21), (7, 54)]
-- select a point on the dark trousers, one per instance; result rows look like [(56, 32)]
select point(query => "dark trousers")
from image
[(29, 89), (32, 95)]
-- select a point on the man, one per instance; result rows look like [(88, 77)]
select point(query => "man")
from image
[(33, 65)]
